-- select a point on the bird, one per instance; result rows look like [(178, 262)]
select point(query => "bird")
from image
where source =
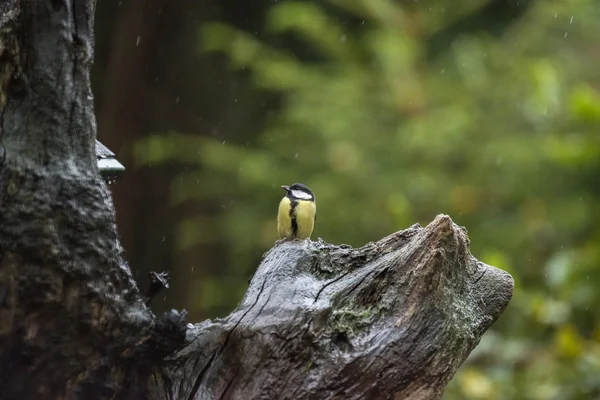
[(297, 212)]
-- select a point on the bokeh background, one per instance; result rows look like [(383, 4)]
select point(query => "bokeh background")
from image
[(392, 112)]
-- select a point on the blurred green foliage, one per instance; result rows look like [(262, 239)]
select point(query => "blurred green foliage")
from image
[(499, 130)]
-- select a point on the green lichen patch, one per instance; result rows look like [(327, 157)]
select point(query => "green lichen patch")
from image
[(351, 321)]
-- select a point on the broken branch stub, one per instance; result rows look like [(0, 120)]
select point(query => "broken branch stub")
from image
[(391, 320)]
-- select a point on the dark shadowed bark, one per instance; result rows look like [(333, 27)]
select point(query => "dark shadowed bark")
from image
[(393, 319), (72, 322)]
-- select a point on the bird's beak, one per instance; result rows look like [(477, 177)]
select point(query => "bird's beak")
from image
[(286, 188)]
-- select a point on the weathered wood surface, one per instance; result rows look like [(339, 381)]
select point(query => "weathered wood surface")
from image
[(391, 320)]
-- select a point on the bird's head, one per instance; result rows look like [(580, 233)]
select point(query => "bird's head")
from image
[(299, 191)]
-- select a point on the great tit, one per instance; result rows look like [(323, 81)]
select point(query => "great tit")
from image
[(297, 212)]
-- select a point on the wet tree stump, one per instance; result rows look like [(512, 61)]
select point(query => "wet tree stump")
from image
[(391, 320)]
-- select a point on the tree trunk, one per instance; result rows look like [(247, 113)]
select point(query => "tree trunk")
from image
[(72, 321), (393, 319)]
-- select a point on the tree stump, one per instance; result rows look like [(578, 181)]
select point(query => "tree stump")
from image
[(391, 320)]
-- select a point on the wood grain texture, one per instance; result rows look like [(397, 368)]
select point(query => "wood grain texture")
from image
[(391, 320)]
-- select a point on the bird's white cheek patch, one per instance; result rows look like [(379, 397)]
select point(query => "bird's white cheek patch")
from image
[(301, 195)]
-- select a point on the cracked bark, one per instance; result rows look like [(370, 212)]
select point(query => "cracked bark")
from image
[(393, 319), (72, 321)]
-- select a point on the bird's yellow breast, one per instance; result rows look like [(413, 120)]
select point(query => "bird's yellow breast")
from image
[(296, 219), (284, 219)]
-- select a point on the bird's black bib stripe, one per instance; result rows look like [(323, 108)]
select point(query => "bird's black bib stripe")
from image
[(293, 204)]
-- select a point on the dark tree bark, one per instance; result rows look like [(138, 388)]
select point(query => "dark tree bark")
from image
[(72, 322), (393, 319)]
